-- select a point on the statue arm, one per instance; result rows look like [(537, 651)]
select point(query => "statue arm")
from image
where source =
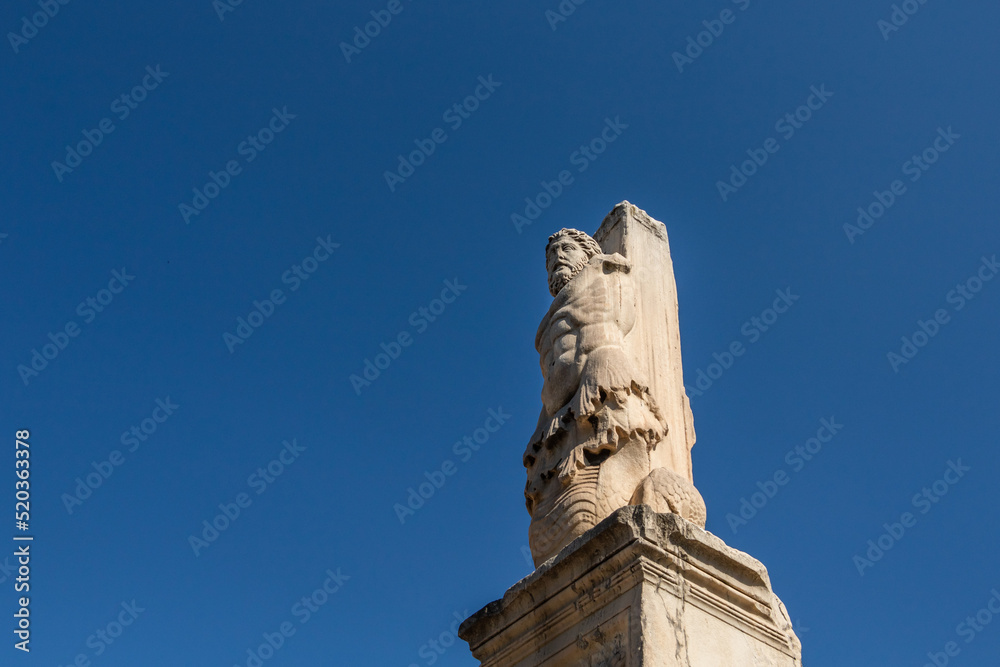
[(623, 296)]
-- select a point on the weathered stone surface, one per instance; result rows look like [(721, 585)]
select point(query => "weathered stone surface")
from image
[(654, 344), (614, 411), (641, 589), (626, 574)]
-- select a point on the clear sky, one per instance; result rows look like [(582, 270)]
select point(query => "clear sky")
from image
[(176, 164)]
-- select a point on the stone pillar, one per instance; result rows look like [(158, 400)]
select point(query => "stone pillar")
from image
[(654, 344), (640, 590)]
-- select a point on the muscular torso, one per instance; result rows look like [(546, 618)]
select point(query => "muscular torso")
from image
[(594, 309)]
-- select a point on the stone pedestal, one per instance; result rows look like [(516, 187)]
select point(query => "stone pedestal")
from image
[(640, 590)]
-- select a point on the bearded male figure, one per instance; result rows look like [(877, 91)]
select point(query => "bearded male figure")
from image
[(590, 454)]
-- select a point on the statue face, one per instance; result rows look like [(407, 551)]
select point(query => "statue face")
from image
[(564, 259)]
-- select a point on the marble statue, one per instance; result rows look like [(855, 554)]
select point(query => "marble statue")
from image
[(591, 453), (625, 572)]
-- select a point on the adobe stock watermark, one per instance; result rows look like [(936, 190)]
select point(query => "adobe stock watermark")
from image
[(259, 481), (898, 17), (105, 636), (454, 115), (293, 277), (432, 650), (796, 460), (581, 158), (464, 449), (563, 11), (223, 7), (968, 630), (786, 126), (38, 20), (303, 611), (958, 297), (122, 106), (248, 149), (913, 168), (132, 439), (361, 39), (696, 44), (420, 320), (88, 310), (923, 501), (753, 329)]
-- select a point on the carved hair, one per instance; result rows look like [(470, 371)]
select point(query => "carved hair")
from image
[(582, 239)]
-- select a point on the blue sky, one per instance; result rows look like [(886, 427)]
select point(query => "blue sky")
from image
[(280, 138)]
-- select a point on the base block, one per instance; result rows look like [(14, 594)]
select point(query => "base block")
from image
[(639, 590)]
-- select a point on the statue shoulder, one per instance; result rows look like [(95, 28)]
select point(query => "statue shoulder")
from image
[(614, 262)]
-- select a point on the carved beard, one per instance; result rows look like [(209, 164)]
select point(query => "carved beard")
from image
[(559, 278)]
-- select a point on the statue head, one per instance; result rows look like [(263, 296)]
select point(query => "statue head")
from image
[(567, 252)]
